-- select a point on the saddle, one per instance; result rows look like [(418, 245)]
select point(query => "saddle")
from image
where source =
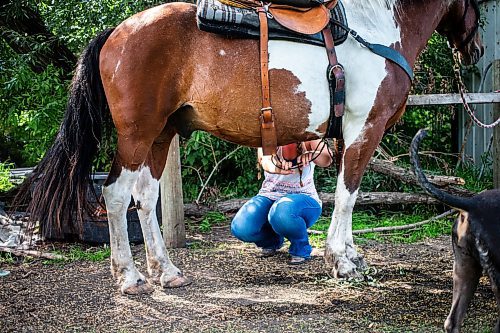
[(305, 21)]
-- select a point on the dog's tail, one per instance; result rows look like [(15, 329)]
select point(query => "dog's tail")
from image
[(450, 200)]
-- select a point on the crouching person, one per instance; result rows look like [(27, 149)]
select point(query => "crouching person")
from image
[(287, 203)]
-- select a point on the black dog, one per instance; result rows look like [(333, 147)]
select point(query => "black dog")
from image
[(476, 242)]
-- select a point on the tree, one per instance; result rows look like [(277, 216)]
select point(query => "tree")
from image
[(24, 30)]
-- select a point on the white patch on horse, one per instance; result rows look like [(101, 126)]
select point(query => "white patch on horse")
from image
[(116, 69), (222, 52), (117, 197), (145, 193), (340, 230), (308, 63), (374, 20)]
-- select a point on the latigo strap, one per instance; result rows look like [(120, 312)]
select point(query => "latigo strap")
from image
[(267, 129)]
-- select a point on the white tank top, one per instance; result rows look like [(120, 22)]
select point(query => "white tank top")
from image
[(276, 186)]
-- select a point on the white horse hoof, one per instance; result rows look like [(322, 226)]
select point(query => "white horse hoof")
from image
[(138, 288), (341, 266)]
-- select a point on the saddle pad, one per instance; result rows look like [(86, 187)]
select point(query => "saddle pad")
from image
[(214, 16)]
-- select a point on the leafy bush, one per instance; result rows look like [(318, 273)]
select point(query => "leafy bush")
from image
[(31, 106), (5, 184)]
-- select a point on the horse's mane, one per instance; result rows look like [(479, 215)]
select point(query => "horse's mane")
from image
[(369, 7)]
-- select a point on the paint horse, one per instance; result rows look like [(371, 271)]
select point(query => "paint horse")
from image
[(157, 75)]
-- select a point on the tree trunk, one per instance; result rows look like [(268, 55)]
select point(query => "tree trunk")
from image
[(368, 198), (23, 29), (406, 176)]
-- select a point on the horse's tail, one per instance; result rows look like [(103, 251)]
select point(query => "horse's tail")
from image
[(58, 186), (446, 198)]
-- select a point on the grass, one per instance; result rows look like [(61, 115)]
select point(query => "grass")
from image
[(77, 253), (367, 219), (7, 258), (211, 219)]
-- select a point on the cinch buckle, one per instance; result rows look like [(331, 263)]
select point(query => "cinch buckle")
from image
[(266, 115), (330, 73), (265, 6)]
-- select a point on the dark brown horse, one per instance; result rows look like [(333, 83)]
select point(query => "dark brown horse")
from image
[(159, 75)]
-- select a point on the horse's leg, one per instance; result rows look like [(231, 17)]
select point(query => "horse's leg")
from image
[(117, 194), (339, 233), (340, 251), (145, 193)]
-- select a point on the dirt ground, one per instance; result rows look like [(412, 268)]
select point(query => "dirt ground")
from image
[(409, 290)]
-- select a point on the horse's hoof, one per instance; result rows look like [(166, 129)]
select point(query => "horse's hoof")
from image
[(347, 272), (176, 282), (360, 263), (341, 266), (140, 287)]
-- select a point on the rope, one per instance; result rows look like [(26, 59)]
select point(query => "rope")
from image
[(462, 89), (276, 159)]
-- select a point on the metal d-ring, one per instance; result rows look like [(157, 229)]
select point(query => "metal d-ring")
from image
[(330, 73)]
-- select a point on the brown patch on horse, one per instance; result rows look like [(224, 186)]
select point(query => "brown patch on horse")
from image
[(410, 46), (215, 89), (389, 105)]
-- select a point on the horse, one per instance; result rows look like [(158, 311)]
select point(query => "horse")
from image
[(157, 75)]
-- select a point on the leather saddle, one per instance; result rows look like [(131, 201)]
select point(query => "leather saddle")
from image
[(305, 17)]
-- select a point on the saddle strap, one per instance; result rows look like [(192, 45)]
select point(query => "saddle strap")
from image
[(336, 81), (267, 129)]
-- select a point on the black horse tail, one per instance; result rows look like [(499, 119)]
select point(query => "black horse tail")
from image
[(444, 197), (58, 187)]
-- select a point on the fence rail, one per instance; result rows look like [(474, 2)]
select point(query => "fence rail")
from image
[(443, 99)]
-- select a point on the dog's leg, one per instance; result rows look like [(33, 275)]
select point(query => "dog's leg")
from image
[(466, 274)]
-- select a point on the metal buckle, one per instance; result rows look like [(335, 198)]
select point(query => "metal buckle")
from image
[(266, 9), (330, 73)]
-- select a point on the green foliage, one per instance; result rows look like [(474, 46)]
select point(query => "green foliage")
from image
[(236, 176), (211, 219), (5, 183), (77, 252), (7, 258), (31, 107)]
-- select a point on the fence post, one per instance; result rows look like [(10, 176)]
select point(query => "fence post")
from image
[(172, 206), (496, 130)]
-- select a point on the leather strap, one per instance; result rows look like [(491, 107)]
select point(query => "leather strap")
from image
[(267, 130), (336, 80)]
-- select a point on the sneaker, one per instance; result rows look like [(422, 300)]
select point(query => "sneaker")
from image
[(296, 260), (265, 253)]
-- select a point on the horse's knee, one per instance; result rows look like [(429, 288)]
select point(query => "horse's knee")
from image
[(116, 201), (146, 191)]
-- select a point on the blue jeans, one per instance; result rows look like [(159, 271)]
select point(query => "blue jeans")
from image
[(266, 222)]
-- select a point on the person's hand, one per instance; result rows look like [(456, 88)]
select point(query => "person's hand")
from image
[(272, 165), (304, 159)]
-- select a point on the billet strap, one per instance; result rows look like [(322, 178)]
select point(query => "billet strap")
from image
[(267, 130), (336, 81)]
